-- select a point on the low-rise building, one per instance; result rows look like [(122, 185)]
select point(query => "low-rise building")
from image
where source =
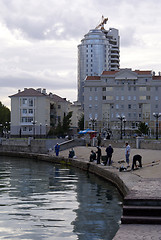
[(34, 112)]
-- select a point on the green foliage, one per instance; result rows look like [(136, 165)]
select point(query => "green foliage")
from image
[(4, 114), (143, 128), (63, 128), (81, 122)]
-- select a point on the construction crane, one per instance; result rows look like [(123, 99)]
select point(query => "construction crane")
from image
[(101, 25)]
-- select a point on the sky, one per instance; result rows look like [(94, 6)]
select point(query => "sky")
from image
[(39, 39)]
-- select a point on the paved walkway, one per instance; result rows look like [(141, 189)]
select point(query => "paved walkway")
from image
[(150, 172)]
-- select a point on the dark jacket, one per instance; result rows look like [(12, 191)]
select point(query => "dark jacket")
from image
[(109, 151)]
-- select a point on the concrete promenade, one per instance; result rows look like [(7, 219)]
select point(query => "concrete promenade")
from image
[(142, 183)]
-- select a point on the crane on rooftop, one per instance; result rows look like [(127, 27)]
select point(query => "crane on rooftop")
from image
[(101, 25)]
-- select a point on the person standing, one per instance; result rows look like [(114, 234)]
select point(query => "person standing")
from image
[(127, 153), (98, 154), (57, 148), (99, 140), (109, 151)]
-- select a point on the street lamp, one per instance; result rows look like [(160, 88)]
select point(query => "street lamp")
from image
[(121, 119), (34, 123), (40, 129), (93, 122), (157, 116), (124, 121)]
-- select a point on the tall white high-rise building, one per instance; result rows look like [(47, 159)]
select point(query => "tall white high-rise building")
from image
[(98, 52)]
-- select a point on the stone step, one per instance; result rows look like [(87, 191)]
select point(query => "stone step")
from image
[(140, 220), (142, 202), (141, 210)]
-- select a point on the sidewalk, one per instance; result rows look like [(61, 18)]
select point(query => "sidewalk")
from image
[(151, 159), (150, 172)]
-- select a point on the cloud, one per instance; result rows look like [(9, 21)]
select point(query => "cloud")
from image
[(38, 39)]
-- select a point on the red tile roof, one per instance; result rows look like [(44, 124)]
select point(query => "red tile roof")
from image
[(143, 72), (156, 77), (109, 72), (93, 78), (56, 98), (29, 92)]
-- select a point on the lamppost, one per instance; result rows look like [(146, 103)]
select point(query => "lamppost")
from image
[(34, 123), (121, 119), (46, 129), (124, 121), (40, 129), (93, 122), (157, 116)]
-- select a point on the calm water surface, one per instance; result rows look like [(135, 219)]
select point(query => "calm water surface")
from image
[(49, 202)]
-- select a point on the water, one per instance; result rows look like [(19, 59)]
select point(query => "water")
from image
[(44, 201)]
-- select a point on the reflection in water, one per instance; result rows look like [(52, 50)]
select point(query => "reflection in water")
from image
[(40, 200)]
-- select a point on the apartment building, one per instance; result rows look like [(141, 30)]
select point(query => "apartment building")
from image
[(133, 95), (98, 52), (34, 112)]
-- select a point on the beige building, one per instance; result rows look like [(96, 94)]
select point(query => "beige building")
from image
[(133, 95), (34, 112)]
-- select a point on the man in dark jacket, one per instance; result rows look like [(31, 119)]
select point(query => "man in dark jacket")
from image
[(109, 151), (98, 154), (136, 158)]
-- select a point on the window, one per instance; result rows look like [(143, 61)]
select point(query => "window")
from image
[(24, 129), (31, 111), (109, 97), (156, 98), (134, 98), (104, 98), (24, 101), (96, 89), (96, 98), (90, 89), (109, 88), (103, 89), (117, 106), (24, 111), (129, 97), (129, 106), (90, 106), (90, 98), (122, 97), (148, 97), (59, 106), (31, 102), (142, 97), (117, 97), (142, 88)]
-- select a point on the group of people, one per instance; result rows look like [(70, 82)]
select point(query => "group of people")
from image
[(97, 155), (109, 151)]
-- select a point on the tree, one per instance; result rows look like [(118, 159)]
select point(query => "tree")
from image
[(4, 118), (63, 128), (66, 122), (4, 114), (81, 122), (143, 128)]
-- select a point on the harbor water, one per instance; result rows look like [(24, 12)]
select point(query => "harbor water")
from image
[(44, 201)]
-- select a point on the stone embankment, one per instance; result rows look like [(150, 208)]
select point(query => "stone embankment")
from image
[(141, 188)]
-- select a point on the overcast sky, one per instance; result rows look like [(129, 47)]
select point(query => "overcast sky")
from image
[(39, 38)]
